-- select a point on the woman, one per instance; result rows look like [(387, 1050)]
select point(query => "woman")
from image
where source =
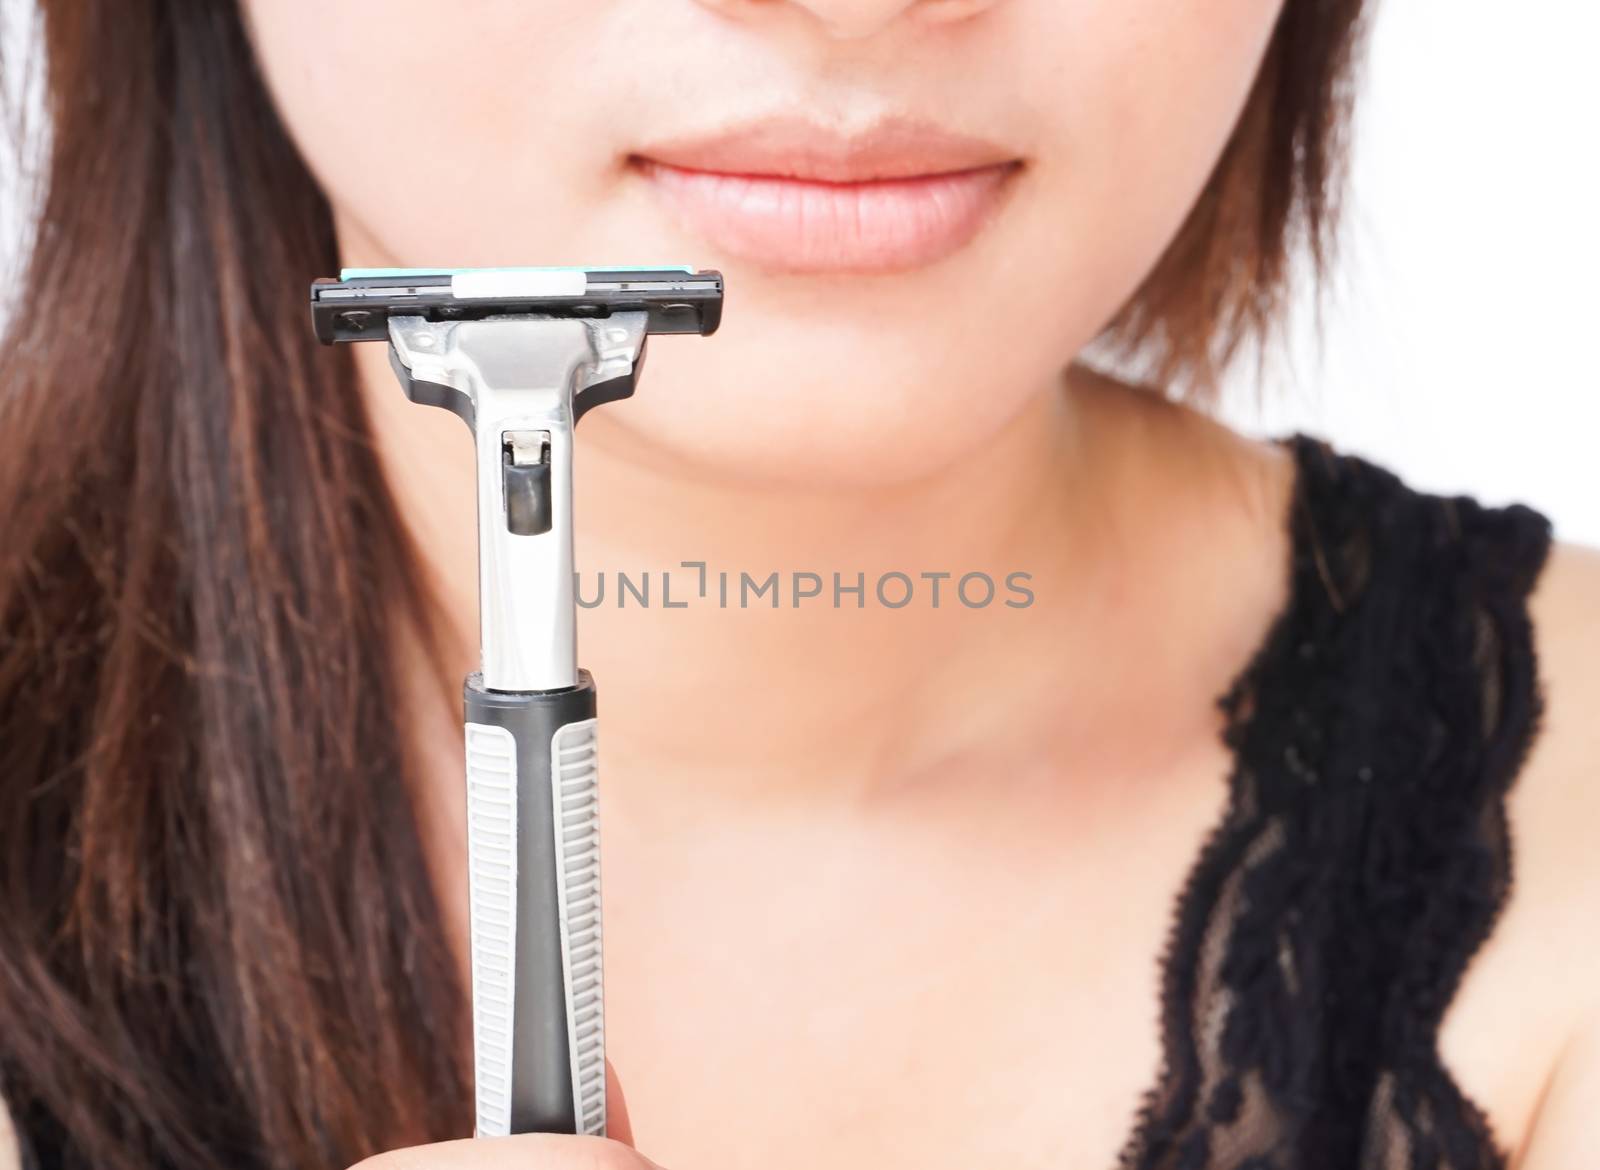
[(884, 885)]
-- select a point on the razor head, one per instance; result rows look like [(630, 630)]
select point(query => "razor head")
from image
[(357, 306)]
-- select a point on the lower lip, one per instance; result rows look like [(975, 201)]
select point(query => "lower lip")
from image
[(800, 225)]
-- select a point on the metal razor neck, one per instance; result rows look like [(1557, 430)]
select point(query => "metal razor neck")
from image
[(519, 384)]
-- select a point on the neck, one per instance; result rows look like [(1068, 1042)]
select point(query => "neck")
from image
[(1138, 529)]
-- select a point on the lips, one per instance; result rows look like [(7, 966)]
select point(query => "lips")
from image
[(794, 196)]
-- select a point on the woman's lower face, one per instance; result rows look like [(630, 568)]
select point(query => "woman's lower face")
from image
[(923, 210)]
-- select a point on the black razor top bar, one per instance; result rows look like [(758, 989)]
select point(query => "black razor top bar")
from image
[(358, 307)]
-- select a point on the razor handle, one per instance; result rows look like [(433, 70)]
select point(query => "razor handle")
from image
[(533, 844), (521, 383)]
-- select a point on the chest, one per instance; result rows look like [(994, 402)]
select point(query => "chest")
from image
[(930, 990)]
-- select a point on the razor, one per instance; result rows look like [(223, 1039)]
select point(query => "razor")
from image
[(521, 354)]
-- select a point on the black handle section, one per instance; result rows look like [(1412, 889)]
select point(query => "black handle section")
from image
[(541, 1089)]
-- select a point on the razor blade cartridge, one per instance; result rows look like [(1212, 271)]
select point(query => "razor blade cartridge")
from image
[(358, 305)]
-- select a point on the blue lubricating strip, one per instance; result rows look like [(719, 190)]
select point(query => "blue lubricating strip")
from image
[(402, 273)]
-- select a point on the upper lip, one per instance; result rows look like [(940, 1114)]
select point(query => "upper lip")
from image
[(797, 148)]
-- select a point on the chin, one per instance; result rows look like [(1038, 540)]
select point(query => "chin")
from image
[(768, 408)]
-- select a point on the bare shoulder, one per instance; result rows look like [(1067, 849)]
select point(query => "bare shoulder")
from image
[(1555, 816), (1556, 804), (1530, 1003)]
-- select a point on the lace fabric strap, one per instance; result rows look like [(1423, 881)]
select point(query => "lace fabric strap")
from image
[(1364, 855)]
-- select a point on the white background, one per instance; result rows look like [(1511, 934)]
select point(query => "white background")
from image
[(1458, 342), (1461, 341)]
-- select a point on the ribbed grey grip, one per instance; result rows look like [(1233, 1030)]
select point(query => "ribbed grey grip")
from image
[(576, 794), (492, 874), (534, 858)]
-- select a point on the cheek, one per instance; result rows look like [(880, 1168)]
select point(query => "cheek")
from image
[(1139, 98), (444, 133)]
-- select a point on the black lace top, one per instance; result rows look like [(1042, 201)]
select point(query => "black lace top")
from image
[(1364, 854)]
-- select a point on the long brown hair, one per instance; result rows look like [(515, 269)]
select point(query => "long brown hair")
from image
[(218, 942)]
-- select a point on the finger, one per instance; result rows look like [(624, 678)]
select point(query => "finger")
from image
[(558, 1151), (527, 1151), (618, 1127)]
